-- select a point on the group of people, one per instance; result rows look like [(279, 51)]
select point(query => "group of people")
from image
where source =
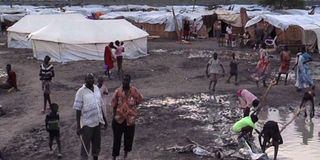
[(190, 30), (215, 69), (246, 125), (89, 103), (113, 53)]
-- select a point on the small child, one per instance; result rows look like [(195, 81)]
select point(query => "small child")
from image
[(53, 127), (104, 91), (233, 69), (246, 100)]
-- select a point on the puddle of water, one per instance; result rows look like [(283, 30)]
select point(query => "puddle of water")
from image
[(301, 136)]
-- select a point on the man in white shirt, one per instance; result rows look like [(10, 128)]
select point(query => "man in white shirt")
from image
[(214, 71), (88, 106)]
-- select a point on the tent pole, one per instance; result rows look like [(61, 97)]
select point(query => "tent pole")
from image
[(60, 51), (194, 3)]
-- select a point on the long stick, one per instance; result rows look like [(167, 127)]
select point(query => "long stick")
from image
[(84, 146), (264, 98), (293, 118)]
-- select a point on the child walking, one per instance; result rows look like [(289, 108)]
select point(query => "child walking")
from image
[(233, 69), (53, 127)]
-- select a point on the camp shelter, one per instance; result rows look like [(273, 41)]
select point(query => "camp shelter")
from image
[(291, 29), (64, 42), (161, 23), (233, 19), (17, 34)]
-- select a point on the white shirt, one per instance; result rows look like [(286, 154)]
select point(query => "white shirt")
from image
[(214, 66), (90, 105), (229, 30)]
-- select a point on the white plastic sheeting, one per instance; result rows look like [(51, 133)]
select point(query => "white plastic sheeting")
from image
[(17, 34), (309, 23), (160, 17), (284, 21), (64, 42)]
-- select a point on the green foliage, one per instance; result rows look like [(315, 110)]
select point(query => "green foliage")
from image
[(280, 4)]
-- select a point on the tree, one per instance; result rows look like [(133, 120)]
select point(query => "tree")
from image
[(280, 4)]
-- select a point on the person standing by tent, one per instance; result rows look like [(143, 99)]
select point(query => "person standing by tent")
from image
[(304, 79), (195, 28), (3, 28), (213, 71), (270, 131), (90, 117), (124, 104), (229, 32), (259, 36), (233, 69), (186, 29), (108, 59), (11, 82), (46, 74), (119, 54), (284, 64)]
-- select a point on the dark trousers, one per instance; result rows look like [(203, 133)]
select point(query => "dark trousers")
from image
[(54, 135), (118, 130), (246, 112), (90, 135), (119, 63)]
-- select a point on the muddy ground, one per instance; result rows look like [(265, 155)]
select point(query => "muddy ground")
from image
[(174, 71)]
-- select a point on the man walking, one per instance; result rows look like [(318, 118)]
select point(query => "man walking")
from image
[(214, 71), (46, 74), (124, 104), (88, 106)]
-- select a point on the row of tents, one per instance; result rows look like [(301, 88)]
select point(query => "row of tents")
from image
[(70, 36)]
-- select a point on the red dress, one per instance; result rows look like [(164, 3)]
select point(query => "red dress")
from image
[(108, 57)]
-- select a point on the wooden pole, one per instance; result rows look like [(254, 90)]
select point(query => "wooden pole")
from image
[(176, 24), (293, 118), (194, 3), (264, 98)]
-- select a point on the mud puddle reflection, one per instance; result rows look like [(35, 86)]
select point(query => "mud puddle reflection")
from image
[(301, 139), (216, 116)]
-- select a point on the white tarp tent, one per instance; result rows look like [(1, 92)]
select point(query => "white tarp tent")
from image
[(64, 42), (309, 23), (160, 17), (17, 34)]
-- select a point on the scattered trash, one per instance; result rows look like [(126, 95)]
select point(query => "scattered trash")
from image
[(158, 51)]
